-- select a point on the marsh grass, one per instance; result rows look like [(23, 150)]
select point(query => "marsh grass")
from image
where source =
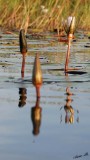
[(45, 15)]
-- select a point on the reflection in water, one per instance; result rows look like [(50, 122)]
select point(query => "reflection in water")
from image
[(23, 65), (36, 117), (23, 50), (37, 81), (69, 118), (23, 97)]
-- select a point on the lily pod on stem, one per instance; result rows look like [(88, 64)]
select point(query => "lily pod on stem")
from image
[(37, 79), (23, 49), (22, 41), (69, 27)]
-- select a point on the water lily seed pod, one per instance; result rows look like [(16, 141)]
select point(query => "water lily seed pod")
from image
[(37, 72), (22, 41)]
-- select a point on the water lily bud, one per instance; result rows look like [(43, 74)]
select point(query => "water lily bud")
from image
[(69, 20), (72, 26), (22, 41), (69, 25), (37, 72)]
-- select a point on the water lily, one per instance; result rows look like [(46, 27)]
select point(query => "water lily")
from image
[(42, 7), (69, 25)]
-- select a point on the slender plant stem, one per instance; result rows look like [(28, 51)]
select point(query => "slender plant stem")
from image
[(67, 56)]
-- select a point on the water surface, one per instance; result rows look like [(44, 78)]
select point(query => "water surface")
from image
[(58, 134)]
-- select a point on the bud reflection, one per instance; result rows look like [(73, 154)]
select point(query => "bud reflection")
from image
[(69, 118), (23, 65), (23, 97), (36, 117)]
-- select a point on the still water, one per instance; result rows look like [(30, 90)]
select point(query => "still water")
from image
[(60, 132)]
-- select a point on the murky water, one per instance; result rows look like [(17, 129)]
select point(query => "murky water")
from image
[(61, 132)]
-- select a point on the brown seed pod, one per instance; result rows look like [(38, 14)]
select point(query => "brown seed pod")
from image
[(37, 72), (22, 41)]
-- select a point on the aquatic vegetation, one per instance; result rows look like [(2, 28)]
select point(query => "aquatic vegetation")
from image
[(69, 25), (47, 15)]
